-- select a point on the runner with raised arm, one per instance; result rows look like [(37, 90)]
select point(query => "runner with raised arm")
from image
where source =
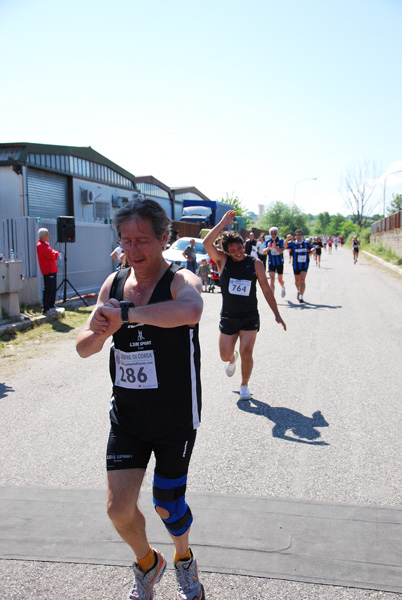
[(240, 319)]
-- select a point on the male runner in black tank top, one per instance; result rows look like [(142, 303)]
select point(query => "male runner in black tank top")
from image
[(150, 308), (239, 315)]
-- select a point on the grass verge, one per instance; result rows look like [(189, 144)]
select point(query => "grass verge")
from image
[(379, 250), (72, 319)]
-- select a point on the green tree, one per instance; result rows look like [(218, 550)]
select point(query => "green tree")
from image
[(322, 224), (396, 204), (335, 224), (348, 229), (287, 217), (241, 211)]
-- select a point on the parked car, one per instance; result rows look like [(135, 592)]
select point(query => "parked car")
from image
[(174, 254)]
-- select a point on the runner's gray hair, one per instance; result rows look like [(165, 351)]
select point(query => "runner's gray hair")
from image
[(273, 229), (143, 209)]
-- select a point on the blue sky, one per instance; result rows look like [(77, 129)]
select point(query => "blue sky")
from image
[(244, 97)]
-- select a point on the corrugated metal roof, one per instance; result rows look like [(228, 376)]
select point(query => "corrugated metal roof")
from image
[(153, 181), (17, 153), (189, 189)]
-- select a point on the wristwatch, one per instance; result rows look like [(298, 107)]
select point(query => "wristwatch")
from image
[(124, 306)]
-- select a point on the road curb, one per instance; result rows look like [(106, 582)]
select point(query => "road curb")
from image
[(384, 263), (27, 322)]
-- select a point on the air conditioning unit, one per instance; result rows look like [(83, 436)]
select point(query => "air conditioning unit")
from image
[(117, 201), (87, 197)]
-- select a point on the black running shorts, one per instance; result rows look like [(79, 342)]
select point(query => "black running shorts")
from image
[(298, 271), (172, 454), (232, 325), (277, 268)]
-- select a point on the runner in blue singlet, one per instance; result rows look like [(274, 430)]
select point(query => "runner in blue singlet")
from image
[(301, 250)]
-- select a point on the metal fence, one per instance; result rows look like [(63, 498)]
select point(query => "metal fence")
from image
[(85, 263), (388, 224), (20, 236)]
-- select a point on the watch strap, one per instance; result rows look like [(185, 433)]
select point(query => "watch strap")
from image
[(124, 307)]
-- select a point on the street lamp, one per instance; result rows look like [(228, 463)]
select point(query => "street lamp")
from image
[(300, 180), (385, 180)]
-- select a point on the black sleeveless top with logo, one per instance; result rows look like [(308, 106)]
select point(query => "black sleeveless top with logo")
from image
[(238, 283), (155, 371)]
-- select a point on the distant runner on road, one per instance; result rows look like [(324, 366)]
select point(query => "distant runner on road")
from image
[(274, 249), (301, 250), (355, 248), (240, 319), (318, 249)]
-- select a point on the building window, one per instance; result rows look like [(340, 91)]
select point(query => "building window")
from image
[(102, 212), (188, 196), (85, 168), (152, 190)]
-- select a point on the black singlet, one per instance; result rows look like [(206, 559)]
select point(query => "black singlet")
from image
[(236, 279), (156, 383)]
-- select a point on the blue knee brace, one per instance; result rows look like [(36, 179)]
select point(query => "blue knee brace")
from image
[(170, 495)]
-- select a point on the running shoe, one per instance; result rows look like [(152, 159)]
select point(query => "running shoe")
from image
[(283, 292), (231, 366), (144, 582), (301, 299), (244, 393), (188, 584)]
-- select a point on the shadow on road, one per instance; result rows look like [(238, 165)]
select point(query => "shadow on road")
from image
[(310, 305), (288, 420), (5, 389), (61, 327)]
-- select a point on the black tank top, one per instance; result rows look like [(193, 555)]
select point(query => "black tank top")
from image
[(239, 287), (155, 371)]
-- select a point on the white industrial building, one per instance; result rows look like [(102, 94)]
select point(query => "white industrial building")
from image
[(40, 182)]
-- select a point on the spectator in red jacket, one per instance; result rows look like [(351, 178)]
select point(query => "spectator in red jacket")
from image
[(47, 259)]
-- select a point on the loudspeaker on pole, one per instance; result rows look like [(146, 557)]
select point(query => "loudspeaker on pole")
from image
[(66, 230)]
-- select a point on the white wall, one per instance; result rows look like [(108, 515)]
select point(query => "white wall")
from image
[(392, 240), (101, 192), (10, 190)]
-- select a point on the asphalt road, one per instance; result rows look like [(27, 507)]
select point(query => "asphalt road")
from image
[(323, 424)]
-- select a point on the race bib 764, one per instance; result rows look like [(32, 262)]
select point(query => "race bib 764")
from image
[(239, 287)]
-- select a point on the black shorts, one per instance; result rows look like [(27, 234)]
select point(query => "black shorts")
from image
[(172, 454), (232, 325), (277, 268), (298, 271)]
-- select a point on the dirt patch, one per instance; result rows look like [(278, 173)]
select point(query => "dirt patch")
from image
[(42, 339), (14, 354)]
